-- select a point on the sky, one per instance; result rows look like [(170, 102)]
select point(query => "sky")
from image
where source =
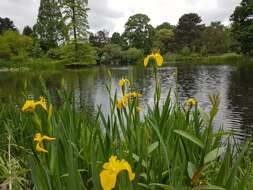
[(111, 15)]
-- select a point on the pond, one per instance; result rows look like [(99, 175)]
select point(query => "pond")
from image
[(233, 83)]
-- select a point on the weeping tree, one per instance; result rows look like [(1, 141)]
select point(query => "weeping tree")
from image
[(75, 17), (50, 29)]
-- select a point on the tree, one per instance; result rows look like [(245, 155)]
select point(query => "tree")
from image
[(118, 39), (165, 25), (215, 39), (188, 30), (6, 24), (164, 40), (100, 39), (27, 31), (242, 27), (14, 46), (139, 33), (86, 54), (50, 27), (75, 15), (111, 54)]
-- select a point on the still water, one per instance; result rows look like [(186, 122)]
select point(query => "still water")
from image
[(233, 83)]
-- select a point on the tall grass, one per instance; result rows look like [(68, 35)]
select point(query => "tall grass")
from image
[(170, 146)]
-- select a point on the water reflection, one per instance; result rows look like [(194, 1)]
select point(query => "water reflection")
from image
[(234, 84)]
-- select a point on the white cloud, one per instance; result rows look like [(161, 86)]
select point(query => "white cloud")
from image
[(113, 14)]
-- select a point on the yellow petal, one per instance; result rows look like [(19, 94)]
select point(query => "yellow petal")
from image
[(119, 104), (191, 102), (38, 137), (121, 82), (40, 149), (159, 59), (42, 103), (29, 106), (108, 179), (146, 60), (127, 167), (47, 138)]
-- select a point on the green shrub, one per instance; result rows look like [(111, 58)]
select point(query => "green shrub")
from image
[(186, 51), (14, 46), (132, 56), (111, 54), (86, 54)]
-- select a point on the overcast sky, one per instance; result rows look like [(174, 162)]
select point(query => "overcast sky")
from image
[(113, 14)]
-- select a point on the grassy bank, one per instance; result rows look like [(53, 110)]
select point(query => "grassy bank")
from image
[(173, 146), (228, 58)]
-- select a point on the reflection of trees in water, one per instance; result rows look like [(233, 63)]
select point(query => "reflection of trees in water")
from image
[(186, 78), (13, 84), (82, 84), (240, 94)]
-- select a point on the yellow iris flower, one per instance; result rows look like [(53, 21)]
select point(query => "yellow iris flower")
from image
[(125, 99), (30, 105), (124, 82), (39, 139), (154, 56), (134, 94), (191, 102), (111, 169)]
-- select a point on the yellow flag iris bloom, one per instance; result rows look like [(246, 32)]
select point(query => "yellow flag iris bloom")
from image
[(30, 105), (111, 169), (134, 94), (39, 139), (191, 102), (124, 82), (122, 103), (154, 56)]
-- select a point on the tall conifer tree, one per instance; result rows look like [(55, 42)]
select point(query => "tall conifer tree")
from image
[(50, 29), (75, 16)]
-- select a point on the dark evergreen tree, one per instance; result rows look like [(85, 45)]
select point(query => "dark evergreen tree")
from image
[(6, 24), (188, 30), (50, 28), (27, 31)]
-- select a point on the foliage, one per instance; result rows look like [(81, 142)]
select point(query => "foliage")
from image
[(216, 38), (27, 31), (188, 30), (14, 46), (165, 25), (118, 39), (111, 54), (242, 27), (6, 24), (75, 15), (132, 56), (139, 33), (164, 39), (50, 27), (185, 51), (100, 39), (85, 53)]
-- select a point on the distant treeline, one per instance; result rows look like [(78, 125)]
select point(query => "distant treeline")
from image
[(61, 34)]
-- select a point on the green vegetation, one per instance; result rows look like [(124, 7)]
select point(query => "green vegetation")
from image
[(187, 58), (62, 28), (173, 146)]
